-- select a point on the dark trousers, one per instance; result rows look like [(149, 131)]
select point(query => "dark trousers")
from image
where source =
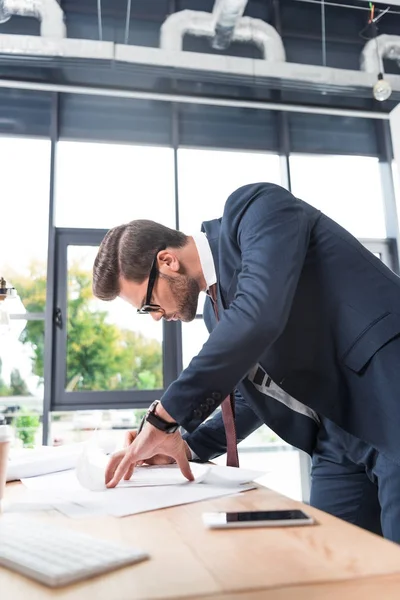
[(353, 481)]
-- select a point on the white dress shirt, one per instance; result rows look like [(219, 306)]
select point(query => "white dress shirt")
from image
[(206, 258), (208, 268)]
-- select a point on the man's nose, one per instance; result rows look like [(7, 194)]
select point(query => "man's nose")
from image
[(157, 315)]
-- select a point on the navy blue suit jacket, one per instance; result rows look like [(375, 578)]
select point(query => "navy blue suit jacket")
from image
[(301, 298)]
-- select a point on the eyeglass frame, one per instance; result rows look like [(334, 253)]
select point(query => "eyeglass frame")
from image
[(148, 307)]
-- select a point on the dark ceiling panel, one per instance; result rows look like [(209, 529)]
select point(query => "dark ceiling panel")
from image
[(328, 134), (24, 113), (114, 120), (212, 126)]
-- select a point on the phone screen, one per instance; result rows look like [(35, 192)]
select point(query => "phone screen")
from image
[(265, 515)]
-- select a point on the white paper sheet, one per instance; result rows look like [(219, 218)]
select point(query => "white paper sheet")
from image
[(43, 460), (146, 499), (220, 475), (149, 476), (91, 467), (155, 488)]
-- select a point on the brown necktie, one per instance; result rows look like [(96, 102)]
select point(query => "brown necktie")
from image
[(227, 407)]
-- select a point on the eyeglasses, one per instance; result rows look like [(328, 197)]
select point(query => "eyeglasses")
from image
[(148, 307)]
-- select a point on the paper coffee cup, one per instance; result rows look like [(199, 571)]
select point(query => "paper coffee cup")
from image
[(5, 439), (5, 433)]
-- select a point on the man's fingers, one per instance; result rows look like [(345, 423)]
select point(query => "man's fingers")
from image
[(120, 471), (113, 464), (129, 472), (130, 437), (170, 448), (184, 466)]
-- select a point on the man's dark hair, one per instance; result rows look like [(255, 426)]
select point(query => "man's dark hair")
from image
[(128, 251)]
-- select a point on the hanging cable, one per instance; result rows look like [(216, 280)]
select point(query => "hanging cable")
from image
[(99, 20), (378, 54), (127, 21), (382, 89), (371, 13), (323, 33)]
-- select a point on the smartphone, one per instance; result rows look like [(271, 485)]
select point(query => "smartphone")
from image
[(257, 518)]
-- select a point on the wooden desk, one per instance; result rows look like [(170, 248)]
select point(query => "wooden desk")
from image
[(326, 561)]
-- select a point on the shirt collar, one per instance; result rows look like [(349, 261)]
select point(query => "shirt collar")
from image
[(206, 258)]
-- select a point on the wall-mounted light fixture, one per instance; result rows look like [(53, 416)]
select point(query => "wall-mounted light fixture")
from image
[(5, 294)]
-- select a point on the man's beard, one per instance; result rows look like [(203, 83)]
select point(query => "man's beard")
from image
[(185, 291)]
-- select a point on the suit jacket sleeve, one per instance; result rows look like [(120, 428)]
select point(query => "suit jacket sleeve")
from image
[(269, 230), (209, 440)]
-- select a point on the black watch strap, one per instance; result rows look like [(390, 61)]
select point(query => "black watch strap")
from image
[(159, 423)]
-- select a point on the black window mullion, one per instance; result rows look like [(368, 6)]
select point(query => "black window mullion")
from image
[(172, 351)]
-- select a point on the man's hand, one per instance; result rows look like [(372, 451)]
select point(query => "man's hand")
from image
[(152, 447), (158, 459)]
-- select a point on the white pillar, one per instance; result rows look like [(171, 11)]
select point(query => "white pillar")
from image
[(395, 133)]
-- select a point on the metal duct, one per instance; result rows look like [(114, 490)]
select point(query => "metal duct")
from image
[(262, 35), (191, 66), (192, 22), (226, 14), (374, 51), (4, 13), (202, 24), (48, 12)]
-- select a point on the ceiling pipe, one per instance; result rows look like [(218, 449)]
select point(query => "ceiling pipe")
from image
[(192, 22), (191, 65), (48, 12), (380, 47), (185, 99), (185, 22), (226, 14), (263, 35), (4, 12)]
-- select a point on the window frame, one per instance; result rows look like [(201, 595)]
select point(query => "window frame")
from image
[(61, 400)]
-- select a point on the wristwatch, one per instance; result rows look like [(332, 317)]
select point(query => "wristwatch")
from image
[(158, 422)]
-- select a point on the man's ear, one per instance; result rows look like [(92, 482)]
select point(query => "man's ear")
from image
[(168, 262)]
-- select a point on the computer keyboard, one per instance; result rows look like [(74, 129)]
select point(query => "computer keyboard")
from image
[(55, 556)]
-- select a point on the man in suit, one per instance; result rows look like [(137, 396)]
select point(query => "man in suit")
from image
[(309, 336)]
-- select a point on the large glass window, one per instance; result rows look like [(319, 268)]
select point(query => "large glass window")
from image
[(109, 346), (346, 188), (106, 355), (106, 350), (194, 335), (24, 191), (100, 186), (208, 177), (78, 426)]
